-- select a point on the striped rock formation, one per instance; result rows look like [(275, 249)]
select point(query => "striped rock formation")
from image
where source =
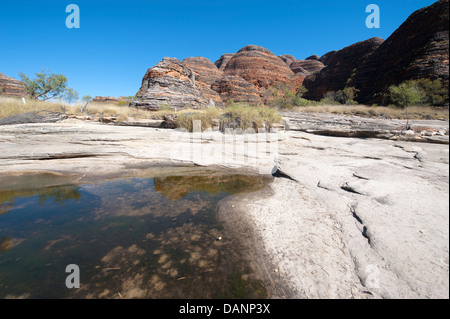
[(310, 66), (223, 61), (259, 66), (419, 48), (169, 83), (340, 69), (206, 73), (11, 87)]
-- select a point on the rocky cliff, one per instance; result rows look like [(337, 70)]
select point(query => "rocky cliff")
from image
[(340, 69), (310, 66), (11, 87), (223, 61), (419, 48), (206, 73), (235, 88)]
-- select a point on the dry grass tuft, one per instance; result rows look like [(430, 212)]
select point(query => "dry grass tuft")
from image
[(14, 106), (389, 112)]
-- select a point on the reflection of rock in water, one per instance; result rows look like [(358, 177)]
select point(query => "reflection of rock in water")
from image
[(6, 207), (5, 244), (177, 187), (133, 241)]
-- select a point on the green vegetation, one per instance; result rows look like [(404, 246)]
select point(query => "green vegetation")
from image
[(342, 97), (418, 92), (87, 98), (48, 86), (282, 96)]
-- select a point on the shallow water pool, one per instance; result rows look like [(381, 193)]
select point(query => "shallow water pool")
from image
[(131, 238)]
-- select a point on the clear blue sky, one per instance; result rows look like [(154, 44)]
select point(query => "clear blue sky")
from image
[(119, 40)]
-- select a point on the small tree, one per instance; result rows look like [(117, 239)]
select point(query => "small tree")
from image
[(87, 98), (434, 93), (406, 94), (45, 86), (70, 95)]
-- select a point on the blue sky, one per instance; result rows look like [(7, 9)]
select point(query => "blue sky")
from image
[(119, 40)]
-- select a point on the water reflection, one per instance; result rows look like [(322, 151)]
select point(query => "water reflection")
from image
[(5, 244), (177, 187), (61, 195), (136, 238)]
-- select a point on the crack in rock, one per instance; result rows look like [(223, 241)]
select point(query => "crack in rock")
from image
[(365, 230), (276, 172), (350, 189)]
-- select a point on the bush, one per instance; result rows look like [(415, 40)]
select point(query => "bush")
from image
[(282, 96), (346, 96), (405, 94), (418, 92), (186, 120), (244, 116), (434, 92)]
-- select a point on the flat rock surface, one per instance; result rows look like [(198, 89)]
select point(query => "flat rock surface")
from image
[(432, 131), (348, 218)]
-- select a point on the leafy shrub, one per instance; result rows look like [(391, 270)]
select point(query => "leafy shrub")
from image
[(346, 96), (405, 94), (418, 92), (434, 92), (282, 96)]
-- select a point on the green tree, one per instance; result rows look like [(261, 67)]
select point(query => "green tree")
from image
[(87, 98), (70, 95), (406, 94), (434, 93), (45, 86)]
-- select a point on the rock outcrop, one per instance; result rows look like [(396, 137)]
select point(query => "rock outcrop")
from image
[(287, 58), (419, 48), (340, 69), (298, 69), (11, 87), (171, 83), (106, 99), (313, 57), (206, 73), (235, 88), (311, 66), (223, 61), (259, 66), (326, 58)]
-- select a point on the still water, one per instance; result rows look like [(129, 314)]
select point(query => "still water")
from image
[(131, 238)]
